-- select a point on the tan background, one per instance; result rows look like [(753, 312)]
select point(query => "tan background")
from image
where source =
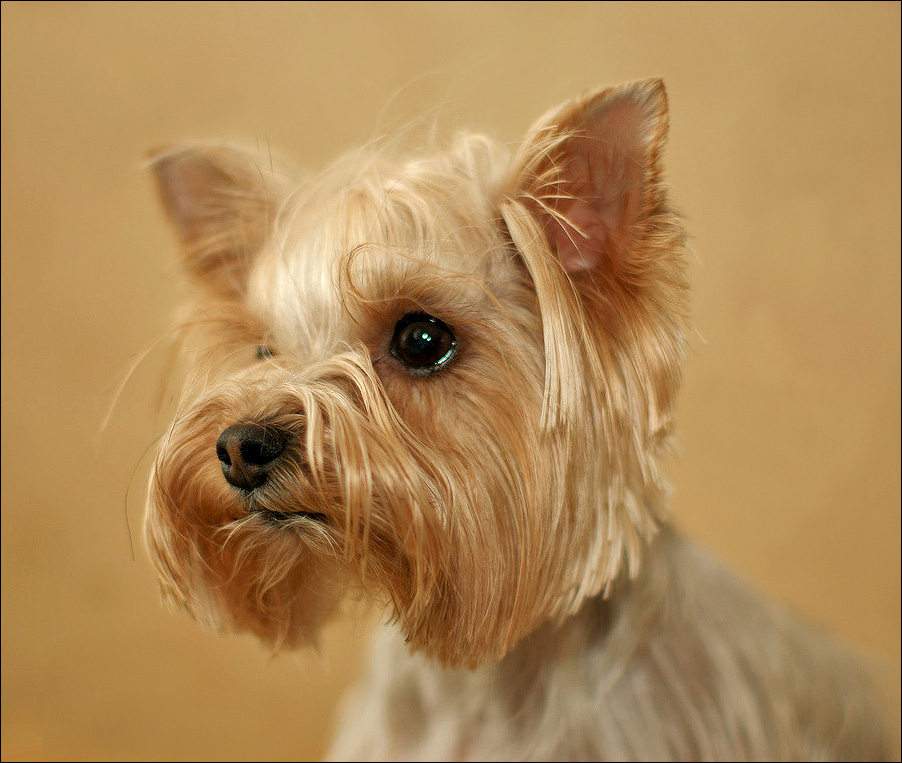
[(784, 155)]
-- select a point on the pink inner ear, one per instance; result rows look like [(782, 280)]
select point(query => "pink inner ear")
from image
[(600, 187), (580, 241), (186, 183)]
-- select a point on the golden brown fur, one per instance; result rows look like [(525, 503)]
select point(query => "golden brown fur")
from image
[(506, 505)]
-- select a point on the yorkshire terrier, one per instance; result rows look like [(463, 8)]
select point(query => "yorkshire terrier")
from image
[(448, 382)]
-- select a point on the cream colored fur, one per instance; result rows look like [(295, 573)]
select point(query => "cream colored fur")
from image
[(685, 663)]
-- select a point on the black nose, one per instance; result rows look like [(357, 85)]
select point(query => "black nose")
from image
[(248, 453)]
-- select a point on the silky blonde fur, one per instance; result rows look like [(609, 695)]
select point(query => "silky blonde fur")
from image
[(507, 508)]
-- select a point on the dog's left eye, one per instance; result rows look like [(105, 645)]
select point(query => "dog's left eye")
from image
[(264, 352), (423, 343)]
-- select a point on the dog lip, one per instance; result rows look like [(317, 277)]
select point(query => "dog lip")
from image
[(288, 518)]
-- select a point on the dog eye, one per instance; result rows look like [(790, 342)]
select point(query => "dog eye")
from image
[(264, 352), (422, 343)]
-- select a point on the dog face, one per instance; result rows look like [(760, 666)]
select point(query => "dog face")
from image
[(446, 381)]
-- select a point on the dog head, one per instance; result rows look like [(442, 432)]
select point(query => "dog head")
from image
[(445, 380)]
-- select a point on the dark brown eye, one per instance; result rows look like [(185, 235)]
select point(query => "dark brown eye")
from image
[(423, 344), (263, 352)]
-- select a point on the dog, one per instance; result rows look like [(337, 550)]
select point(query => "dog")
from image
[(446, 383)]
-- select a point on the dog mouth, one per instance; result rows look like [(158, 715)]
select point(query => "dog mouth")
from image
[(287, 519)]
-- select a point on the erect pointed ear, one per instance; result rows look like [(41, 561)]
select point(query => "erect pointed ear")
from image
[(222, 203), (589, 172), (586, 204)]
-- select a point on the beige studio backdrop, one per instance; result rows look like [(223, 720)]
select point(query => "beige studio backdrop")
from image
[(783, 154)]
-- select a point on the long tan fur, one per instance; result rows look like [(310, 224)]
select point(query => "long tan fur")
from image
[(508, 507)]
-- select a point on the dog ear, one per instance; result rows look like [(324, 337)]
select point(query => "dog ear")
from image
[(587, 188), (222, 202), (589, 172)]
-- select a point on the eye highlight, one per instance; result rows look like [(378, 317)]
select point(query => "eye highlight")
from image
[(423, 343)]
